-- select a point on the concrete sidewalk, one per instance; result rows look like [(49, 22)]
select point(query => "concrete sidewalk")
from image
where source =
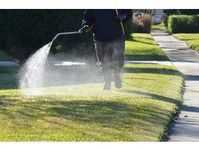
[(186, 127)]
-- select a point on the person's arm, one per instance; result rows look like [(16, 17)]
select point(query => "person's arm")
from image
[(88, 17), (88, 21)]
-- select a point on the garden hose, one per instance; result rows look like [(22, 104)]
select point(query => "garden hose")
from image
[(121, 24)]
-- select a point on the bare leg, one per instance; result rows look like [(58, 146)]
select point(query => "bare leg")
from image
[(107, 66), (104, 57), (118, 62)]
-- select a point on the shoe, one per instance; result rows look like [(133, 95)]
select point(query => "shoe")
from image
[(107, 86)]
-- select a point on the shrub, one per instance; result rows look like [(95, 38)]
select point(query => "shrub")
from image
[(183, 23), (147, 23), (24, 31), (142, 24), (181, 11), (169, 12)]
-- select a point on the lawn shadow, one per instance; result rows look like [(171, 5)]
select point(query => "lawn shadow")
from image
[(192, 77), (107, 114), (154, 96), (141, 41), (154, 70), (131, 38), (148, 57), (190, 108)]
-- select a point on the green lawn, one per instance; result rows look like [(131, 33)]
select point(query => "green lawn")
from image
[(191, 39), (159, 27), (143, 47), (140, 111)]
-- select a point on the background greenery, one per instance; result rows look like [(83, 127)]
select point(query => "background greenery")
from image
[(24, 31), (183, 23), (169, 12)]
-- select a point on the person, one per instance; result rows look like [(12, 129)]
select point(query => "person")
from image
[(107, 26)]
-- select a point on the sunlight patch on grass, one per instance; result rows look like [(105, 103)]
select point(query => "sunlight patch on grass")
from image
[(143, 47), (191, 39)]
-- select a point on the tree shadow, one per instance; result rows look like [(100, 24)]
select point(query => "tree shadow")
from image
[(131, 38), (107, 114), (190, 108), (154, 96), (141, 41), (192, 77), (165, 71), (145, 57)]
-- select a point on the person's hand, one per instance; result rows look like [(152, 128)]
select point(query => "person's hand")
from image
[(84, 29)]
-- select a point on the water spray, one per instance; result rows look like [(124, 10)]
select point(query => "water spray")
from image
[(31, 75)]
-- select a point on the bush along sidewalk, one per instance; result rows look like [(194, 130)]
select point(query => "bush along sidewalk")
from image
[(183, 23)]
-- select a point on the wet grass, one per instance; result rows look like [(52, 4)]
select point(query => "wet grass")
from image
[(140, 111), (191, 39)]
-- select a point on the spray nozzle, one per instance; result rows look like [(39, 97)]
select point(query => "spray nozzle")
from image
[(84, 29)]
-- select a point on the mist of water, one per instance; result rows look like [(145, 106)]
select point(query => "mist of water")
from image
[(44, 70), (31, 74)]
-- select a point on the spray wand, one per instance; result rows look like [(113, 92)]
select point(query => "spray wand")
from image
[(87, 28), (62, 33)]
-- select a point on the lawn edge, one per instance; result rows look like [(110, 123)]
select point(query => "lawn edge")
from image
[(174, 116), (187, 43)]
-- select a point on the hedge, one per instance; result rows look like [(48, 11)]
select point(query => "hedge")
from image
[(169, 12), (183, 23), (24, 31), (181, 11)]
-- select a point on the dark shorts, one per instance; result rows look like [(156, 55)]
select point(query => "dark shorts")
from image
[(111, 54)]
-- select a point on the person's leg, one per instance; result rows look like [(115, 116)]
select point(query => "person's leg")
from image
[(103, 56), (107, 66), (118, 61), (99, 51)]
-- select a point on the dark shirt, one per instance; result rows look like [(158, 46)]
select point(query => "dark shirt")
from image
[(105, 23)]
